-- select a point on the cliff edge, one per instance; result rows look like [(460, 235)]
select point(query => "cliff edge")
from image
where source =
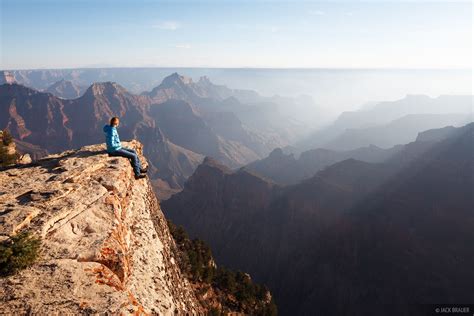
[(105, 244)]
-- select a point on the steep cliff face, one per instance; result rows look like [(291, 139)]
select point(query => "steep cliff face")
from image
[(106, 247)]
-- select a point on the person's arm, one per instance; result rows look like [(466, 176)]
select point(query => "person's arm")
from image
[(116, 139)]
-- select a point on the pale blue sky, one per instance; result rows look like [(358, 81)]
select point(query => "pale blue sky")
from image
[(350, 34)]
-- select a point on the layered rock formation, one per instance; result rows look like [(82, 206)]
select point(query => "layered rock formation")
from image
[(106, 247), (54, 124), (199, 118), (41, 122), (285, 169), (362, 236)]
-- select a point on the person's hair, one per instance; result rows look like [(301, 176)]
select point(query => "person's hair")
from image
[(114, 120)]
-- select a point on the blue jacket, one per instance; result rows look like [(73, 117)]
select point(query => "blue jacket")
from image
[(112, 138)]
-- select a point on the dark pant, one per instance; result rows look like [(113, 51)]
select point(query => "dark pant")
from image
[(131, 155)]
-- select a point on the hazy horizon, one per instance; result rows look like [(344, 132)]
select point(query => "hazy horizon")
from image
[(334, 90)]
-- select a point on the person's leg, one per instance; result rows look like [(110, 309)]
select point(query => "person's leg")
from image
[(135, 153), (133, 159), (130, 150)]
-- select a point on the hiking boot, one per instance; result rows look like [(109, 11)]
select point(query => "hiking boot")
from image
[(144, 170), (140, 176)]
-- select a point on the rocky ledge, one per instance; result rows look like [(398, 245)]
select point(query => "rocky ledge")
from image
[(105, 244)]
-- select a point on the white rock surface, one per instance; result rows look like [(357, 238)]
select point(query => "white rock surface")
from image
[(25, 159), (105, 242)]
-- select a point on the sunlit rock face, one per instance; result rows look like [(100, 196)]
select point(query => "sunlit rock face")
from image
[(106, 247)]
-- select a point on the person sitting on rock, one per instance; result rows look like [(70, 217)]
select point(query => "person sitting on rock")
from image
[(114, 148)]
